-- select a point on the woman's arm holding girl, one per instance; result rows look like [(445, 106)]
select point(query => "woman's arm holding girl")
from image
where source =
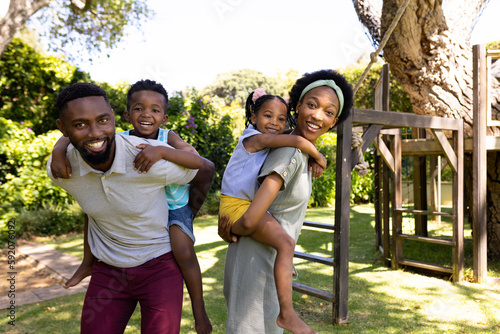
[(248, 222)]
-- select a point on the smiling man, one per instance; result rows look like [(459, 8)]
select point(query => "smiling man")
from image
[(127, 213)]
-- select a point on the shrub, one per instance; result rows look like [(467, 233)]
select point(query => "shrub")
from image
[(195, 119), (323, 188), (25, 188), (50, 220), (211, 205), (29, 83)]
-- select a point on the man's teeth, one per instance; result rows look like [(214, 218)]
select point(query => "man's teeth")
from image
[(96, 144), (146, 123)]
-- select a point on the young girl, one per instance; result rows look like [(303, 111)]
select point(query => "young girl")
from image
[(146, 110), (267, 115)]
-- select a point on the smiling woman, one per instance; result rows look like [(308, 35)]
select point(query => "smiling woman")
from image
[(319, 100)]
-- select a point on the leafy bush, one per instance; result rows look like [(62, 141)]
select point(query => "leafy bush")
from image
[(399, 99), (195, 119), (26, 187), (50, 220), (323, 188), (29, 83), (362, 188), (211, 205), (30, 186), (235, 86)]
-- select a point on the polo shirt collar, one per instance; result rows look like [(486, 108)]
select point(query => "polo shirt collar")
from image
[(119, 165)]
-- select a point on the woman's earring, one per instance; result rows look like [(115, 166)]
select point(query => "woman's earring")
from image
[(334, 123)]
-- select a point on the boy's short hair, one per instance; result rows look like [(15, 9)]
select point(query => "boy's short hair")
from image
[(147, 85), (76, 91)]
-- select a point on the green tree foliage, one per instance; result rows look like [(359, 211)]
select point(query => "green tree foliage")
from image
[(25, 189), (99, 25), (29, 185), (29, 82), (117, 96), (399, 99), (93, 25), (323, 189), (195, 119), (237, 85), (493, 45)]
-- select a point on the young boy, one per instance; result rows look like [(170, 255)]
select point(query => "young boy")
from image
[(146, 110)]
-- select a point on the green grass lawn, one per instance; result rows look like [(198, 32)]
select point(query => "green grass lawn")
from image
[(381, 300)]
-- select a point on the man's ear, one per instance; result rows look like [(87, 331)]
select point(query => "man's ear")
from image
[(61, 127), (126, 115)]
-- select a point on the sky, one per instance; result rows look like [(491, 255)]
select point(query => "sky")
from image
[(189, 42)]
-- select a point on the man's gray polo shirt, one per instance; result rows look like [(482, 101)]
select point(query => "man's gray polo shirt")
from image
[(128, 211)]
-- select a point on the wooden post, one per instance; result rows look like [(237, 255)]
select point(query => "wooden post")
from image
[(433, 170), (420, 187), (397, 199), (479, 164), (377, 203), (342, 221), (458, 205), (381, 94), (386, 210)]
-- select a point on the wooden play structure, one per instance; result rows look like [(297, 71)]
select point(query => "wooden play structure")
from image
[(389, 184), (383, 128)]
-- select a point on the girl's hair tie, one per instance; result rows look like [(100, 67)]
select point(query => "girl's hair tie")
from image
[(259, 92)]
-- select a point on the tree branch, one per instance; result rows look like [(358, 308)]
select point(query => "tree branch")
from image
[(18, 13), (370, 18)]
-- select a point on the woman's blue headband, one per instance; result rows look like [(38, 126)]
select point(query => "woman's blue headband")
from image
[(329, 83)]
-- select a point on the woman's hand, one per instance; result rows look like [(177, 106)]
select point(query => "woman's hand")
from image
[(225, 229), (147, 157)]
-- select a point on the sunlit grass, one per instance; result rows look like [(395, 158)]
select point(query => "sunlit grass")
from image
[(381, 300)]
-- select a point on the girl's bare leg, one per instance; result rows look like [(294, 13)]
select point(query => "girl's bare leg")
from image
[(271, 233)]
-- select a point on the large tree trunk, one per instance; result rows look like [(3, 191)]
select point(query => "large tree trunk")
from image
[(17, 15), (430, 56)]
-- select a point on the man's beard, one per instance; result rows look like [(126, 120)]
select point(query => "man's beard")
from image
[(99, 158)]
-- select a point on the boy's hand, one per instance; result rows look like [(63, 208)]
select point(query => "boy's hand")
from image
[(60, 169), (147, 157), (317, 170), (225, 229)]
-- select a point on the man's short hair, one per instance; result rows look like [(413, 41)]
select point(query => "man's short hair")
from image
[(76, 91)]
